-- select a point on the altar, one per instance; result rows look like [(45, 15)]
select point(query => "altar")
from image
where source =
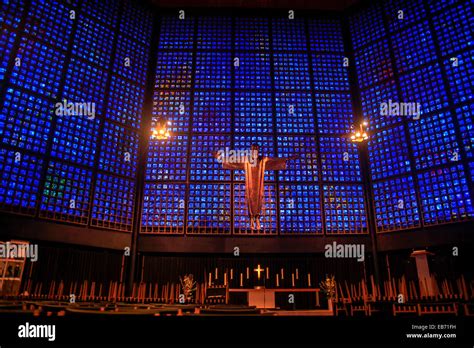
[(264, 298)]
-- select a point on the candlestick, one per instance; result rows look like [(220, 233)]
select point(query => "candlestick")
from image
[(241, 279), (225, 279), (248, 273), (282, 275), (268, 273), (297, 274), (216, 273), (210, 278), (277, 281), (292, 279), (231, 274), (309, 280)]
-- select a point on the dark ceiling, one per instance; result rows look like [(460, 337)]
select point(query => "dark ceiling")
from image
[(270, 4)]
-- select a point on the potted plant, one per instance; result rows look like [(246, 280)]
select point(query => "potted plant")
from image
[(328, 287), (188, 287)]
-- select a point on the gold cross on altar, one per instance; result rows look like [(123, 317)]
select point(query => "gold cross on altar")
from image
[(258, 270)]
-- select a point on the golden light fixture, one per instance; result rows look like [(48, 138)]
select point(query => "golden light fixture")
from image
[(361, 134), (160, 131)]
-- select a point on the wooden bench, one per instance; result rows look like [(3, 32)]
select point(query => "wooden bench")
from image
[(402, 308), (437, 308)]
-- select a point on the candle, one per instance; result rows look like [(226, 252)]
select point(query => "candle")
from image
[(277, 281), (292, 279), (231, 274), (241, 279), (268, 273), (282, 275), (225, 279), (216, 273), (210, 278), (248, 273), (297, 274), (309, 280)]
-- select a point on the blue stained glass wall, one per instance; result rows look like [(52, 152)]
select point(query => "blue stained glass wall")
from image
[(229, 82), (66, 193), (458, 69), (253, 70), (176, 33), (373, 63), (25, 120), (204, 167), (305, 167), (434, 141), (300, 207), (11, 13), (445, 195), (19, 187), (344, 209), (212, 112), (388, 153), (339, 160), (395, 204), (113, 202), (334, 112), (252, 33), (253, 112), (73, 83), (465, 118), (50, 22), (415, 62), (294, 105), (7, 40), (163, 208), (409, 11), (202, 213), (225, 83)]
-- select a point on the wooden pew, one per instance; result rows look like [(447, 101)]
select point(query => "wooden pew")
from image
[(402, 308), (437, 308)]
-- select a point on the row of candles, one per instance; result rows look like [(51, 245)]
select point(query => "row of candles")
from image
[(278, 276)]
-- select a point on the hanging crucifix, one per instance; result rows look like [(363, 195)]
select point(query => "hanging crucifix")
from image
[(254, 166)]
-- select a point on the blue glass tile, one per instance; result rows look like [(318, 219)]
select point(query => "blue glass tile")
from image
[(325, 35), (40, 68), (300, 209), (253, 112), (167, 159), (209, 209), (334, 113), (163, 208), (119, 150), (113, 201), (203, 165), (388, 153), (66, 193), (303, 168), (252, 33), (212, 112), (344, 209), (294, 112), (395, 204), (444, 195), (253, 71), (176, 33), (433, 140), (330, 72), (25, 121), (339, 160), (20, 176)]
